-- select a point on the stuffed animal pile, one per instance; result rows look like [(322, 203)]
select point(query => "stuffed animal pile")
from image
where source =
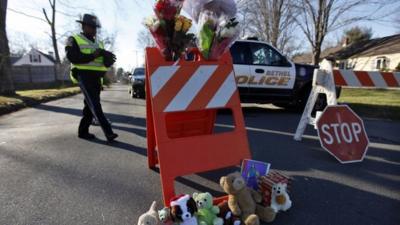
[(242, 208)]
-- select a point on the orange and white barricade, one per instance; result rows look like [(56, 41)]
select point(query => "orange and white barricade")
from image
[(326, 79), (182, 101)]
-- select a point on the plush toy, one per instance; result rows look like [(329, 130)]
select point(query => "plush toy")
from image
[(227, 215), (183, 210), (165, 216), (150, 217), (279, 198), (243, 201), (207, 214)]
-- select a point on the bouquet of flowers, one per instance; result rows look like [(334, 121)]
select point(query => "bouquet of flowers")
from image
[(218, 26), (169, 29)]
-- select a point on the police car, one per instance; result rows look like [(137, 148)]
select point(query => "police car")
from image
[(264, 75)]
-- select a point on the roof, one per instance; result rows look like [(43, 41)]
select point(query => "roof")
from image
[(377, 46), (49, 57), (14, 59), (307, 57)]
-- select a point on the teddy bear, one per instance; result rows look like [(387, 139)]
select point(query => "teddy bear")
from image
[(207, 212), (280, 199), (165, 216), (243, 200), (227, 215), (150, 217)]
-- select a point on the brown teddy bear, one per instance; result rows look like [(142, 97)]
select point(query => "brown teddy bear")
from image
[(243, 201)]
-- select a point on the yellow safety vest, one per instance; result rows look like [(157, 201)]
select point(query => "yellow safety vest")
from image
[(88, 47)]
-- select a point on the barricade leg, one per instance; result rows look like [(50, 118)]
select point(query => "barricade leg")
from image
[(168, 188), (304, 121), (323, 83), (151, 139)]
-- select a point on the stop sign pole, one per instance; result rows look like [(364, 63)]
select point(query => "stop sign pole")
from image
[(342, 133)]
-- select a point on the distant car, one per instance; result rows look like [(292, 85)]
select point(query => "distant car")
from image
[(137, 83)]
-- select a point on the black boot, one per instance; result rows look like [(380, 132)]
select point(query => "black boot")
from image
[(111, 137), (87, 136)]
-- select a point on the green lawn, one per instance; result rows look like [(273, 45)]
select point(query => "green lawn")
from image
[(373, 103), (30, 97)]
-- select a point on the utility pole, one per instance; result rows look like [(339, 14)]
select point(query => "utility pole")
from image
[(137, 57)]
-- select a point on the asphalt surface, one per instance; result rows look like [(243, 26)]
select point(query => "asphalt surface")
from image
[(49, 176)]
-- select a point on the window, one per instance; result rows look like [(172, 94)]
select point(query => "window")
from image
[(139, 71), (240, 53), (342, 65), (382, 63), (267, 56), (35, 58)]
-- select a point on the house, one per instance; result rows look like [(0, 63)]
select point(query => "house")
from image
[(34, 58), (35, 68), (379, 54)]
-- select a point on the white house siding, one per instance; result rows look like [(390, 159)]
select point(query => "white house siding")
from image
[(369, 63), (25, 60)]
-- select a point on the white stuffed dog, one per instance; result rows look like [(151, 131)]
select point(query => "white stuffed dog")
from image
[(150, 217), (280, 199)]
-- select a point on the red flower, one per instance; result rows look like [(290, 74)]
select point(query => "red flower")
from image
[(161, 5), (165, 10)]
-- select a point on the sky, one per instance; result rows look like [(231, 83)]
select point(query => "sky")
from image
[(123, 18)]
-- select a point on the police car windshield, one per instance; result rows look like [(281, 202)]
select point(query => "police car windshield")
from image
[(138, 71)]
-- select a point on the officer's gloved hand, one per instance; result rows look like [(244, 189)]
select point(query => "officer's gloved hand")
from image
[(98, 53), (109, 58)]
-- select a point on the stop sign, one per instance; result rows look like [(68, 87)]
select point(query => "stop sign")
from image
[(342, 133)]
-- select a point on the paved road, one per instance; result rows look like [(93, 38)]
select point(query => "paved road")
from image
[(49, 176)]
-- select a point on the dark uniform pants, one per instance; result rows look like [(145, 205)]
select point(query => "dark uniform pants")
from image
[(91, 88)]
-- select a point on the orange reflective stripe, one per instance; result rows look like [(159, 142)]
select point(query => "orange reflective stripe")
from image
[(172, 87), (212, 86)]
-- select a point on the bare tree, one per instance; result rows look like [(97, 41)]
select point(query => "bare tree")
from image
[(145, 39), (6, 82), (19, 43), (271, 20), (52, 24), (318, 18)]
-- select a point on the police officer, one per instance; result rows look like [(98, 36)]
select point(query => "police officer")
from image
[(89, 64)]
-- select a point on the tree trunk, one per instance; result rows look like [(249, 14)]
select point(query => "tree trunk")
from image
[(6, 82), (316, 56), (52, 24), (54, 34)]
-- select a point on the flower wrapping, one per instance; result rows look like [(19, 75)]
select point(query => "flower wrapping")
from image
[(216, 35), (208, 24), (228, 32), (220, 7), (218, 28)]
